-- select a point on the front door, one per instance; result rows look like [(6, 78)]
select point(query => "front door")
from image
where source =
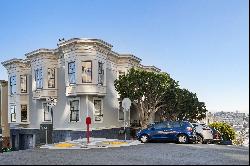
[(46, 133)]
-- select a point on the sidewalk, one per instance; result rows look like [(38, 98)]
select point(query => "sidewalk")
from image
[(94, 143)]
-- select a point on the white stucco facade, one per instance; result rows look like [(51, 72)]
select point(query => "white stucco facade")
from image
[(79, 74)]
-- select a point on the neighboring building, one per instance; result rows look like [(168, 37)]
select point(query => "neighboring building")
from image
[(5, 130), (80, 76), (210, 118)]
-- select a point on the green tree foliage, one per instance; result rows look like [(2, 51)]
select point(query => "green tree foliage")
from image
[(228, 133), (183, 105), (240, 137), (146, 90)]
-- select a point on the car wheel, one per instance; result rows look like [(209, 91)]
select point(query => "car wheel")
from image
[(182, 138), (144, 138), (199, 139)]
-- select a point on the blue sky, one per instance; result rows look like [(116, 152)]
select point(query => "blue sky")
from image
[(201, 43)]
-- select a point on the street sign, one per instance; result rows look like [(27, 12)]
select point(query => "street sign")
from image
[(126, 103)]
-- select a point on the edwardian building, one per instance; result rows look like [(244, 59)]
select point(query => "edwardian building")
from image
[(4, 126), (58, 88)]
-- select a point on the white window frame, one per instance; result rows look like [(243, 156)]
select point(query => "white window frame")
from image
[(51, 72), (13, 86), (102, 112), (85, 71), (79, 107), (25, 84), (44, 112), (100, 73), (39, 78), (12, 113), (70, 74), (26, 112)]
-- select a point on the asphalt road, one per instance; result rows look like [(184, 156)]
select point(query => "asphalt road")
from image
[(150, 153)]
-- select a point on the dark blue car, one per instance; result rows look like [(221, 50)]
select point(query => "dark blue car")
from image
[(177, 131)]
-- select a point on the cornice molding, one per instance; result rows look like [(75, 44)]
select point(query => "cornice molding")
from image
[(152, 67), (89, 41), (41, 51), (16, 63), (130, 56)]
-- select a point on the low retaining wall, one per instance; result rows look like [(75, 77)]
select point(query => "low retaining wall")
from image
[(28, 138), (64, 135)]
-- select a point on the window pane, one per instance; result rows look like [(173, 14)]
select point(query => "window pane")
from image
[(74, 110), (23, 113), (72, 79), (47, 112), (98, 106), (13, 84), (98, 110), (12, 109), (71, 72), (23, 83), (100, 73), (86, 71), (39, 78), (71, 67), (13, 113), (75, 104), (51, 73), (51, 83)]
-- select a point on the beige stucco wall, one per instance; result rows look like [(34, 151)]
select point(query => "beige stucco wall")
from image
[(4, 109)]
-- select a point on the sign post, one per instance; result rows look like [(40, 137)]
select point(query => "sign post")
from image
[(126, 103), (88, 122)]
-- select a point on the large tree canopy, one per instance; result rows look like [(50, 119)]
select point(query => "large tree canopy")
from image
[(151, 92), (146, 90), (183, 105)]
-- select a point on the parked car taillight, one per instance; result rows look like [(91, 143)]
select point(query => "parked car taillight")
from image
[(189, 128)]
